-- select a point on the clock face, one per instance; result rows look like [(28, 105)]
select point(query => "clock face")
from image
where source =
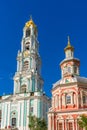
[(67, 70), (26, 53)]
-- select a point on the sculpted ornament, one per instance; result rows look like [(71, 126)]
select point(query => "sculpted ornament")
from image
[(26, 53)]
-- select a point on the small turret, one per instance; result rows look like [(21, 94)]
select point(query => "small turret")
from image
[(69, 50), (70, 65)]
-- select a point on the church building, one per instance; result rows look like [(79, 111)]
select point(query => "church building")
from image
[(28, 96), (69, 95)]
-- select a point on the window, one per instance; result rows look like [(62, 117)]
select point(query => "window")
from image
[(32, 94), (31, 109), (27, 47), (31, 106), (60, 126), (68, 99), (69, 69), (13, 122), (70, 126), (25, 66), (23, 89), (75, 69), (28, 32), (84, 99)]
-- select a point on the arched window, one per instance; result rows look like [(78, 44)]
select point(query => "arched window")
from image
[(25, 65), (13, 122), (28, 32), (70, 126), (69, 69), (60, 126), (75, 69), (84, 99), (68, 99), (31, 106), (27, 46), (23, 89)]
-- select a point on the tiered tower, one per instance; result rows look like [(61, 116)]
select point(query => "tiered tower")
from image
[(28, 98), (70, 65), (28, 76), (69, 95)]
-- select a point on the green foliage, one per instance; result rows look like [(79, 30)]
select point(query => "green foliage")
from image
[(83, 122), (37, 123)]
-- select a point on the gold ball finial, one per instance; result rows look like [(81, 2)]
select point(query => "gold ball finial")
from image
[(30, 22)]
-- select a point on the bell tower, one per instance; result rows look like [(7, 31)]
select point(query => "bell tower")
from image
[(70, 65), (28, 75)]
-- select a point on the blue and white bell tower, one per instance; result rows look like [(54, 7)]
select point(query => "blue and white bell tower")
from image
[(28, 76), (28, 96)]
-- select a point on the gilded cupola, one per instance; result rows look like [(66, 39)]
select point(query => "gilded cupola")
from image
[(69, 47)]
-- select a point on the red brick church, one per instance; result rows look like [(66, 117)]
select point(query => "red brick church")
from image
[(69, 95)]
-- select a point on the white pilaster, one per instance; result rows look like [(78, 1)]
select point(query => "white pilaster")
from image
[(27, 120), (18, 113), (49, 122)]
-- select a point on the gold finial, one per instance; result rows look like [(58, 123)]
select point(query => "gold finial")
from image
[(68, 40), (30, 22), (69, 45), (30, 17)]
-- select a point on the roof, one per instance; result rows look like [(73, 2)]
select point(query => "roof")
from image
[(69, 59), (74, 80)]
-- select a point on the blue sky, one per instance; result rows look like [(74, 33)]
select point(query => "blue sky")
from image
[(55, 20)]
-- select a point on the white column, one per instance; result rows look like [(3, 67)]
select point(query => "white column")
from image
[(63, 124), (22, 113), (81, 99), (2, 116), (73, 124), (59, 101), (56, 125), (8, 123), (27, 122), (18, 113), (49, 122), (5, 114), (77, 100), (76, 124), (35, 106), (52, 121)]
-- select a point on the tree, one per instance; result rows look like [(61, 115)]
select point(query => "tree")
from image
[(37, 123), (32, 122), (83, 122)]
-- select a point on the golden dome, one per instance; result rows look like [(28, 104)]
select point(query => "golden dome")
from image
[(69, 47), (29, 23)]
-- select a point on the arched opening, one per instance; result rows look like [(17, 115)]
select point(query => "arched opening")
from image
[(13, 122), (25, 65), (28, 32), (23, 89), (68, 99), (27, 46)]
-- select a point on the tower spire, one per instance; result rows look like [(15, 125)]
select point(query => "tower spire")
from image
[(30, 17), (69, 41), (30, 22), (69, 47)]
